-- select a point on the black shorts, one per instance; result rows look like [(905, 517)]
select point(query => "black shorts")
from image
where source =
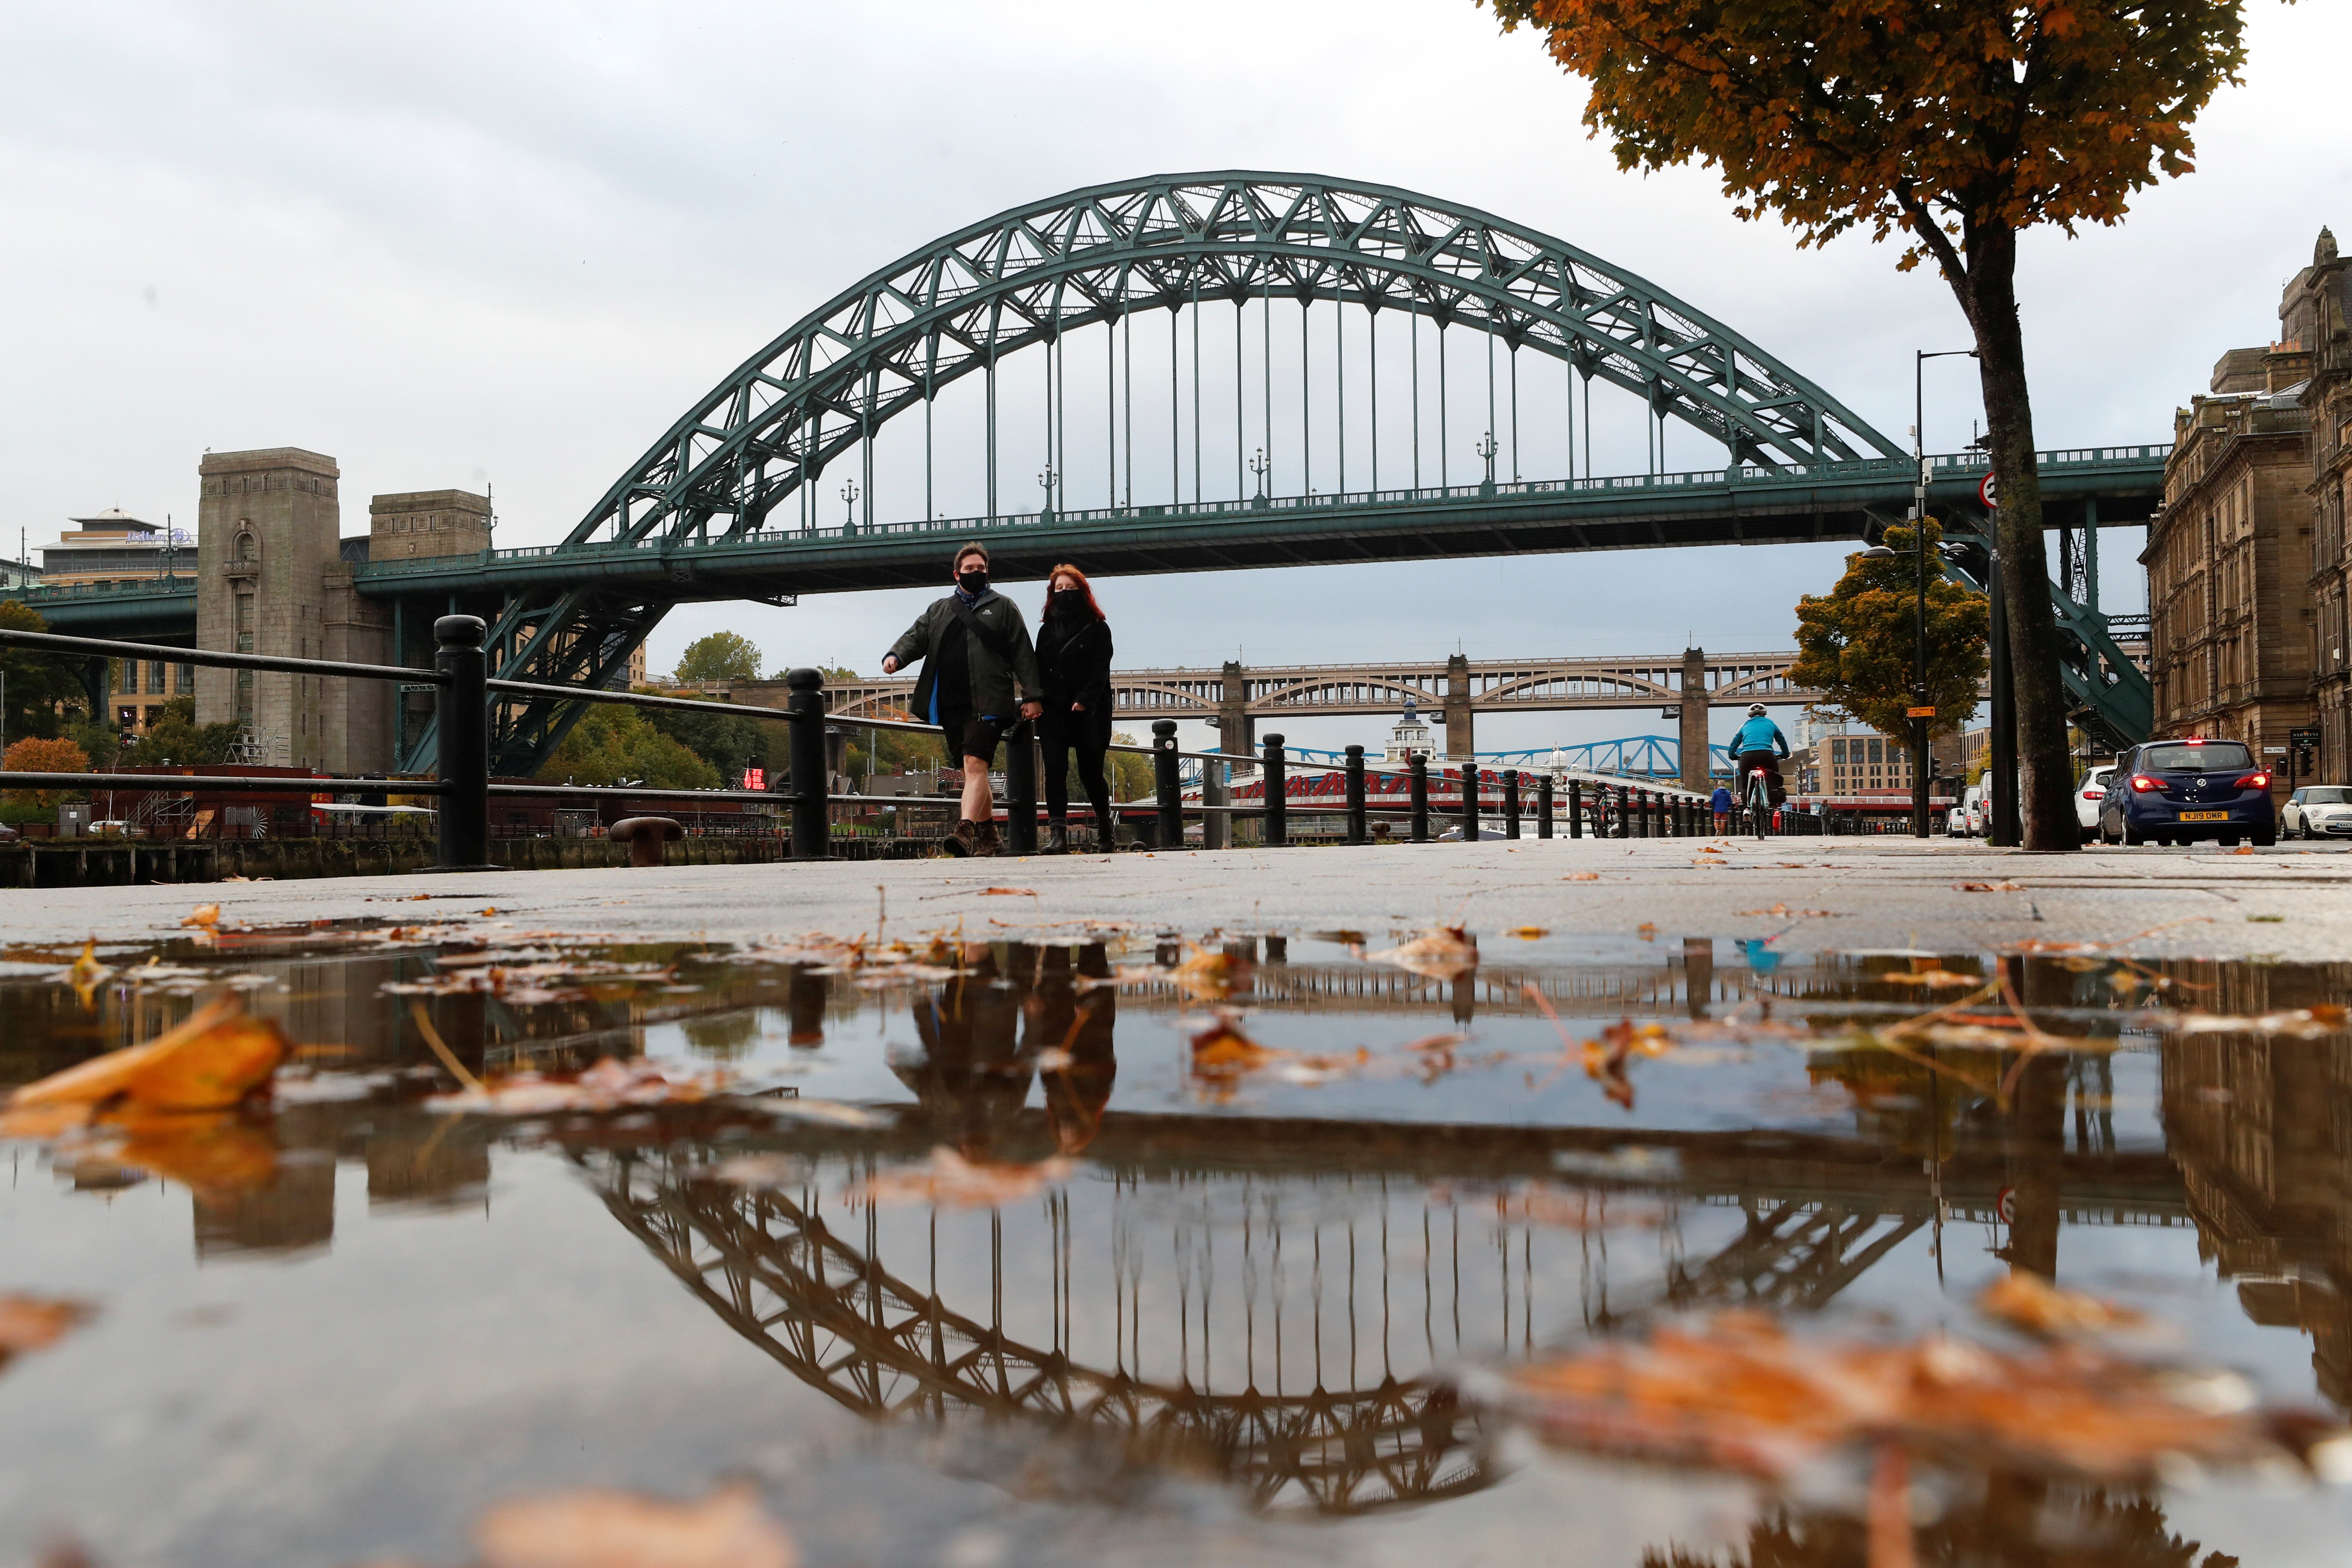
[(969, 737)]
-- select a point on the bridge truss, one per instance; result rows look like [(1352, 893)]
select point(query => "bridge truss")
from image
[(1029, 277)]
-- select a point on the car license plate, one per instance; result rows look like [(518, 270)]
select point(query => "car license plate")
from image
[(2204, 816)]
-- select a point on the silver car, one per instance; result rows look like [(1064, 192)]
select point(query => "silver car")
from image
[(2318, 811)]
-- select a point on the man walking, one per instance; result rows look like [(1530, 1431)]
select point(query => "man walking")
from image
[(1720, 804), (975, 648)]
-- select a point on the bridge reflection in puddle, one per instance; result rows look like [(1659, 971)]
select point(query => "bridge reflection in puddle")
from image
[(1269, 1281)]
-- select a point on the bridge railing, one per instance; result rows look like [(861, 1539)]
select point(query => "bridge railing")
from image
[(465, 694)]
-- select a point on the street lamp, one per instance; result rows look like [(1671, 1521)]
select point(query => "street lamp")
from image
[(1922, 711)]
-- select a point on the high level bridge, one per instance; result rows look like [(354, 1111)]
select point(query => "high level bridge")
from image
[(1203, 372), (1456, 689)]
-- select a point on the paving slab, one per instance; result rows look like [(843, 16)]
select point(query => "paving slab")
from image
[(2290, 902)]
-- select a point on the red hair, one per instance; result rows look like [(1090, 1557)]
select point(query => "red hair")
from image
[(1066, 570)]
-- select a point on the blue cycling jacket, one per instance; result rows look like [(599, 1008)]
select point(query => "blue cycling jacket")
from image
[(1759, 734)]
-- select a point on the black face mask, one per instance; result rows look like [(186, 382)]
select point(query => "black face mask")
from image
[(1069, 602), (973, 583)]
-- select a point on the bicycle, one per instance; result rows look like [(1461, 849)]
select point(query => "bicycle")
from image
[(1759, 802)]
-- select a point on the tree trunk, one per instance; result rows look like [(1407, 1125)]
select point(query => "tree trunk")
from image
[(2046, 791)]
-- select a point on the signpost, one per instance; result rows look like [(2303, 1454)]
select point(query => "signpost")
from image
[(1987, 492)]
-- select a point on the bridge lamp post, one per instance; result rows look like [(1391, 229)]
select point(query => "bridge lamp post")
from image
[(1487, 447), (849, 506), (1261, 467), (1046, 483), (1922, 711)]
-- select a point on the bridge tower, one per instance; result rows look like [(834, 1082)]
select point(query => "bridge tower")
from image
[(1460, 741), (1693, 721), (274, 580)]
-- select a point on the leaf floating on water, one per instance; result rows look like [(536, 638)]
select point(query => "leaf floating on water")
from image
[(1736, 1391), (85, 975), (1646, 931), (959, 1183), (1605, 1058), (1582, 877), (215, 1059), (1527, 933), (1930, 974), (2295, 1023), (1440, 953), (1209, 973), (1220, 1050), (204, 915), (1008, 892), (1785, 910), (620, 1530), (2026, 1300), (37, 1322), (1987, 887), (610, 1085)]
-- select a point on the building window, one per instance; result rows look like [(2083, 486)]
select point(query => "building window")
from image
[(187, 685)]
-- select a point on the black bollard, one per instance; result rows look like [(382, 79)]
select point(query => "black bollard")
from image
[(1470, 800), (1417, 783), (1510, 802), (812, 835), (1576, 808), (1278, 793), (1356, 829), (1168, 784), (463, 724), (1021, 791), (1543, 805)]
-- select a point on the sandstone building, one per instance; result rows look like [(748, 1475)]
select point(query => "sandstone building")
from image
[(2313, 315)]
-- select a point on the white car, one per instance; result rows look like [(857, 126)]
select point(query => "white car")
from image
[(1956, 823), (2318, 811), (2087, 798), (1974, 803)]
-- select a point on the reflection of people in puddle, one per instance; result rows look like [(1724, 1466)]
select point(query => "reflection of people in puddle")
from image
[(1761, 959), (1077, 1027), (978, 1058)]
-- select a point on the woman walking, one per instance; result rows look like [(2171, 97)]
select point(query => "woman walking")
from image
[(1074, 660)]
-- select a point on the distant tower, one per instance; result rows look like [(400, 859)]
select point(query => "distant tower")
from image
[(1410, 736), (273, 582)]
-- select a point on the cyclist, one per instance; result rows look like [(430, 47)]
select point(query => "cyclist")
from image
[(1760, 744)]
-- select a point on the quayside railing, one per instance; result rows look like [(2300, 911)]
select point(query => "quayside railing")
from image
[(462, 686)]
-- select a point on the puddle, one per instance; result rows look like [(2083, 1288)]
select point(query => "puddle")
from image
[(1147, 1247)]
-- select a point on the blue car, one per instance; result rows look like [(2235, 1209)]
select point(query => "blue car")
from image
[(2177, 792)]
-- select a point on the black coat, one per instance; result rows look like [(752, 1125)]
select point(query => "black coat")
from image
[(1073, 658)]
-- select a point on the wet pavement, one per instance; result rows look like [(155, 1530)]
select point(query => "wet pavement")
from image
[(1061, 1225)]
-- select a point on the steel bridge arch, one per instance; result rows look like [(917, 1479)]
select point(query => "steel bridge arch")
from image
[(1028, 276)]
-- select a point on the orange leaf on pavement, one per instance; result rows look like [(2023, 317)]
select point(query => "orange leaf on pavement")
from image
[(620, 1530)]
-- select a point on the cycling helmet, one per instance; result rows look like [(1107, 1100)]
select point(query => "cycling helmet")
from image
[(1756, 710)]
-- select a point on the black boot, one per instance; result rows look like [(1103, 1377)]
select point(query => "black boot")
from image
[(1057, 838)]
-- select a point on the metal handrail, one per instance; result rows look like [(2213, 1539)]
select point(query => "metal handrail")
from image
[(465, 696)]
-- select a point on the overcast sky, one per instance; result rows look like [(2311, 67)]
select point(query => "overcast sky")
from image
[(465, 245)]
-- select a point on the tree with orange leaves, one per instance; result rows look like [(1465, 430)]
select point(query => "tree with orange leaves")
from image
[(1957, 125), (35, 755)]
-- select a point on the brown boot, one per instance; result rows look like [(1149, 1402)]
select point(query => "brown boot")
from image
[(964, 839), (985, 842)]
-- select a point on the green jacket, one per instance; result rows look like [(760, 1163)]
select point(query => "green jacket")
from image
[(993, 676)]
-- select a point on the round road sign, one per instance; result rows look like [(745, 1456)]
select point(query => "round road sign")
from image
[(1986, 491), (2004, 1206)]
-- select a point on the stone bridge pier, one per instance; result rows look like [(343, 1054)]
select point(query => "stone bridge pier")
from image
[(1694, 720), (1461, 741)]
